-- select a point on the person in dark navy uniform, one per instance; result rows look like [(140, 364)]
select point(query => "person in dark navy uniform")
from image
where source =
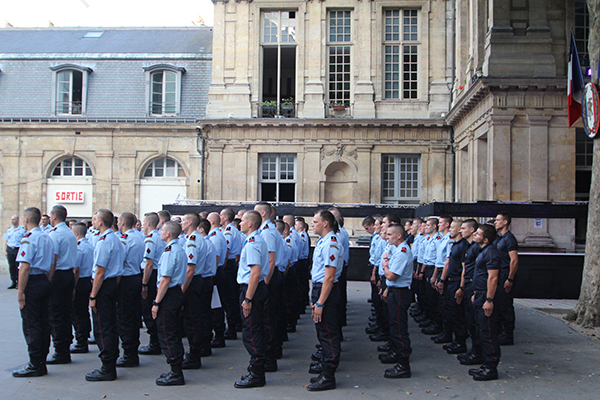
[(36, 254), (166, 308), (83, 287), (108, 266), (485, 286), (252, 271), (63, 283), (129, 306), (328, 263)]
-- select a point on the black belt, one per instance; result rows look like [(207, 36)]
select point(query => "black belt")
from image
[(468, 281), (13, 248), (320, 284), (397, 288)]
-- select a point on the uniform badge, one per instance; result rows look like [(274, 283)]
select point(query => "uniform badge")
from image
[(251, 239), (214, 233), (168, 248), (334, 239), (438, 238), (23, 253), (191, 256), (193, 237), (148, 251), (124, 236), (287, 240), (332, 257), (103, 237), (27, 234), (403, 249), (149, 235), (228, 228)]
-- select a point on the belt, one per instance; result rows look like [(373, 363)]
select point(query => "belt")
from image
[(468, 280), (13, 248), (397, 288), (319, 284)]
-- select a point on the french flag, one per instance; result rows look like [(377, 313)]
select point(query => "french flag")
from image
[(574, 84)]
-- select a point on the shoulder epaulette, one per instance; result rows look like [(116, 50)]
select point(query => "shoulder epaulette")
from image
[(149, 235), (55, 229), (228, 228), (193, 237), (403, 249), (214, 233), (24, 242), (124, 236), (333, 239), (168, 248), (95, 234), (27, 235), (287, 240), (103, 237), (251, 239)]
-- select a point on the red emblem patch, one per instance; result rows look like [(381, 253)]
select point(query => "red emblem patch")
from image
[(23, 253), (168, 248), (228, 228), (191, 256), (193, 237), (251, 239), (403, 249), (333, 239), (103, 237), (332, 257), (27, 234), (148, 251)]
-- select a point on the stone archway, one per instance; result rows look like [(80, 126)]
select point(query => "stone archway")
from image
[(340, 183)]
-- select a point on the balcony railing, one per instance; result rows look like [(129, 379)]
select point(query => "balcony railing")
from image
[(339, 110), (278, 111), (69, 107)]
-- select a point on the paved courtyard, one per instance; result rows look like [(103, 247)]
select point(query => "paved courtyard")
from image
[(549, 360)]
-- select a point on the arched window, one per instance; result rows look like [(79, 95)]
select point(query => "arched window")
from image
[(164, 168), (72, 166), (164, 89), (70, 89)]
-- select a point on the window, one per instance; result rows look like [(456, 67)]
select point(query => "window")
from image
[(582, 33), (164, 92), (401, 48), (72, 167), (339, 52), (400, 178), (584, 151), (277, 177), (278, 63), (70, 89), (164, 168)]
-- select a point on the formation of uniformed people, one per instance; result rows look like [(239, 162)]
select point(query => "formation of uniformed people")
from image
[(208, 277), (462, 275)]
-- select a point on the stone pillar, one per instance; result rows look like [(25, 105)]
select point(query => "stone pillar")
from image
[(438, 170), (242, 169), (103, 188), (11, 196), (214, 171), (364, 106), (364, 178), (500, 155), (480, 169), (125, 200), (314, 92), (312, 173), (538, 157)]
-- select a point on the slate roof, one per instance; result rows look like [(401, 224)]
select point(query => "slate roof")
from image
[(195, 40)]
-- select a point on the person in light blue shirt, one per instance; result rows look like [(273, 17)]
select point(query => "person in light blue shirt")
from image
[(166, 308), (197, 291), (108, 266), (63, 283), (233, 237), (36, 254), (129, 306), (220, 244), (430, 246), (83, 287), (13, 237), (303, 265), (45, 225), (398, 270)]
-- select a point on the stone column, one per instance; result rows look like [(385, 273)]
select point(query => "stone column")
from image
[(538, 157), (364, 106), (499, 156), (103, 184), (241, 171), (314, 92), (364, 177), (126, 173), (214, 171), (312, 173)]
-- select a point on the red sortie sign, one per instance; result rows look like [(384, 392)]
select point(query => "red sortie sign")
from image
[(69, 197)]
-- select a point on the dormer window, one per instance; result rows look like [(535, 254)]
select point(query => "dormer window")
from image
[(164, 90), (70, 89)]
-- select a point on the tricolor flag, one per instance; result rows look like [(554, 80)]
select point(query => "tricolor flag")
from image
[(574, 84)]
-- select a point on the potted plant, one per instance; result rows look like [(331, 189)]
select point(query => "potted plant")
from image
[(269, 108), (287, 107), (339, 106)]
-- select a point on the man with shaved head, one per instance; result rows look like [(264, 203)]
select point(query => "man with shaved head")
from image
[(83, 287), (233, 237)]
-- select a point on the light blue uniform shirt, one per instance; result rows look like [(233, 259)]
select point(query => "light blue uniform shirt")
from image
[(210, 267), (233, 237), (286, 251), (296, 243), (416, 244), (373, 248), (430, 251), (154, 247), (381, 245), (47, 228), (65, 246), (254, 252), (401, 264), (85, 258), (304, 247), (344, 238), (195, 250), (172, 263), (182, 240), (14, 235), (109, 253), (218, 240), (442, 250), (134, 252), (387, 249), (37, 249), (293, 246), (328, 253)]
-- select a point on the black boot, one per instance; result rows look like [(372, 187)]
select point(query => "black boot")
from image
[(384, 348), (173, 378), (317, 355), (256, 378), (325, 382), (316, 368), (191, 361), (400, 370), (59, 358), (79, 347), (271, 365), (108, 372), (486, 373), (153, 349), (128, 361), (34, 368)]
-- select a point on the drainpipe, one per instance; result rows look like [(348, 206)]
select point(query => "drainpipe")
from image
[(200, 146)]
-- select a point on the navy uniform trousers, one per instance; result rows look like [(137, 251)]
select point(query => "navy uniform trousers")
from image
[(81, 310), (129, 313), (328, 330), (399, 300), (168, 324), (36, 319), (253, 331), (105, 322)]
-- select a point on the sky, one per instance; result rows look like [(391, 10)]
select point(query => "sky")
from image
[(104, 13)]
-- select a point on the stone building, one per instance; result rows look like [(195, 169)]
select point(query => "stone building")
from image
[(344, 101), (94, 118)]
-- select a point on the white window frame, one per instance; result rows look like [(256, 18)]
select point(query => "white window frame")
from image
[(397, 179), (401, 43), (277, 180), (179, 172), (62, 167), (56, 70), (150, 71), (343, 43)]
